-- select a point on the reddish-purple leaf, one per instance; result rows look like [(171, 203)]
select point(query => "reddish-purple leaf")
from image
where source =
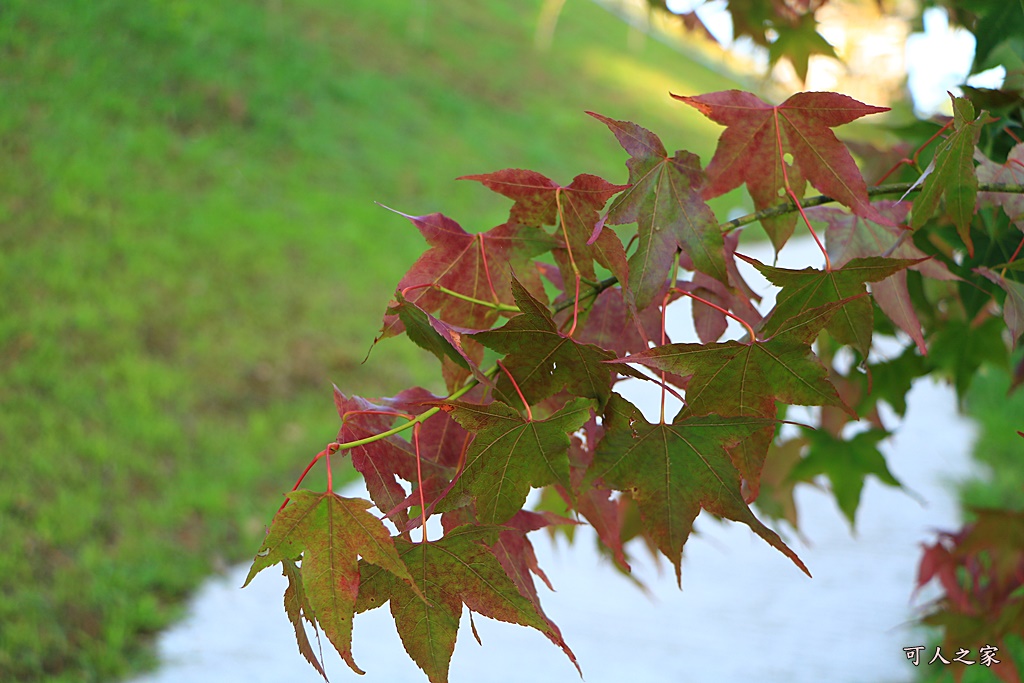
[(477, 266), (759, 137), (609, 324), (442, 439), (574, 208), (1013, 304), (515, 552), (665, 202), (383, 462), (1011, 172)]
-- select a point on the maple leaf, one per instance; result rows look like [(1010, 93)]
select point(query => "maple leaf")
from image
[(330, 533), (751, 18), (429, 333), (810, 288), (1013, 304), (672, 471), (746, 379), (455, 570), (952, 173), (542, 359), (384, 461), (797, 41), (711, 323), (846, 463), (517, 557), (665, 202), (1012, 172), (477, 266), (541, 201), (759, 136), (298, 609), (609, 324), (848, 237), (509, 454), (960, 348)]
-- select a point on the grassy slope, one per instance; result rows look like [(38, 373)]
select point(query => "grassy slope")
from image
[(998, 445), (190, 254)]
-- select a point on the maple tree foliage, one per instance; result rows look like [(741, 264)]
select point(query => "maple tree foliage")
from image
[(535, 322)]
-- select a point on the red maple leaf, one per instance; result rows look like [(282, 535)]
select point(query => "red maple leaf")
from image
[(758, 138), (477, 266), (1010, 172), (574, 207)]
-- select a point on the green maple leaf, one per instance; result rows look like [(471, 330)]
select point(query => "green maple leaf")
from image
[(542, 359), (952, 174), (510, 454), (455, 570), (803, 290), (746, 379), (960, 349), (330, 533), (797, 42), (672, 471), (849, 236), (299, 609), (775, 499), (664, 200), (846, 463), (431, 334), (999, 22)]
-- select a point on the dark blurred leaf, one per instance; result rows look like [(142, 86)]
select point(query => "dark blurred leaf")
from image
[(959, 349)]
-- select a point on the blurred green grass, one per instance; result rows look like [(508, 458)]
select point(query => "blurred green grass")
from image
[(190, 254), (998, 447)]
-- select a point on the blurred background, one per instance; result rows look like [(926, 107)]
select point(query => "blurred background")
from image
[(191, 253)]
